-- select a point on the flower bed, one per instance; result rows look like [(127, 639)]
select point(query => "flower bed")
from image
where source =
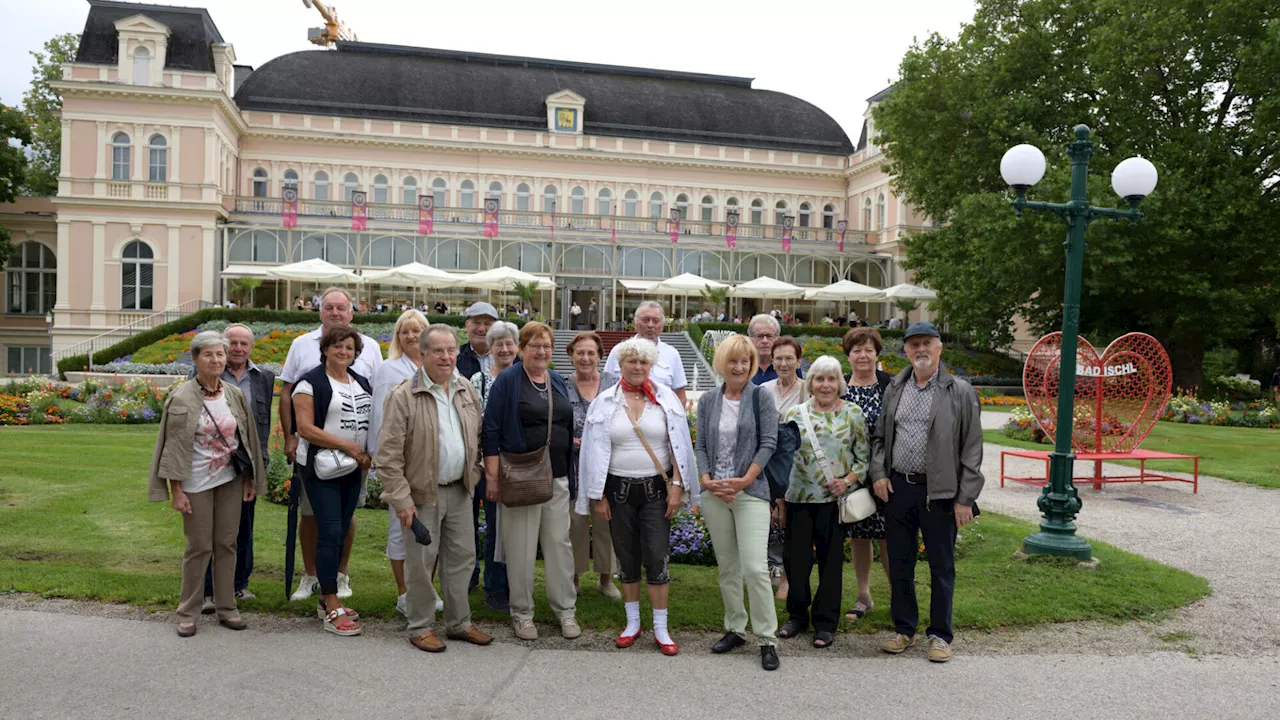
[(1186, 407), (1001, 401), (34, 403)]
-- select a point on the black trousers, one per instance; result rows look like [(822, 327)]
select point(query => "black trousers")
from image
[(907, 511), (813, 526), (333, 503), (640, 528), (244, 551)]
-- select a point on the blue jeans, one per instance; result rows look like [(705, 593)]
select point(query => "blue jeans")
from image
[(333, 503), (244, 552)]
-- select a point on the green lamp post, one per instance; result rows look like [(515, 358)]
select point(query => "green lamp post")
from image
[(1133, 179)]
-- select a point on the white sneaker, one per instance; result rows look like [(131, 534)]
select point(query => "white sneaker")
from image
[(344, 586), (402, 606), (306, 587), (245, 595)]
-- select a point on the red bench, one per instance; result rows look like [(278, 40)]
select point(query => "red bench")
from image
[(1098, 479)]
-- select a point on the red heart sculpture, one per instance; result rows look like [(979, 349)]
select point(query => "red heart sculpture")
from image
[(1119, 396)]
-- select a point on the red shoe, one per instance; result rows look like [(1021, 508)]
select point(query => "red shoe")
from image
[(626, 641), (668, 649)]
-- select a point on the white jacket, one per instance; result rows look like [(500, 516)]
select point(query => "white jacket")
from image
[(597, 447)]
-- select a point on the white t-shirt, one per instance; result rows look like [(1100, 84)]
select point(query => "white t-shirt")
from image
[(575, 310), (210, 458), (727, 439), (669, 369), (348, 415), (629, 458), (385, 378), (304, 355)]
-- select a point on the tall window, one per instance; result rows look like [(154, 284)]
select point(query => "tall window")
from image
[(290, 180), (141, 66), (880, 212), (779, 212), (440, 192), (495, 192), (158, 160), (33, 279), (31, 360), (522, 197), (350, 184), (578, 201), (604, 203), (708, 208), (866, 215), (655, 205), (467, 194), (259, 182), (631, 203), (757, 212), (549, 198), (829, 216), (320, 188), (805, 211), (120, 156), (135, 277), (409, 191), (682, 204), (380, 188)]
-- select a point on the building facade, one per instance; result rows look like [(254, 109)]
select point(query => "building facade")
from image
[(175, 162)]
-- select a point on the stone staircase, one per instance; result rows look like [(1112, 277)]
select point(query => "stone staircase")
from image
[(696, 369)]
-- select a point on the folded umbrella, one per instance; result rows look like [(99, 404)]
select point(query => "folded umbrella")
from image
[(291, 532)]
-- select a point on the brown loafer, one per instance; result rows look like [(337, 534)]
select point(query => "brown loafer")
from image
[(428, 642), (233, 624), (184, 631), (473, 635)]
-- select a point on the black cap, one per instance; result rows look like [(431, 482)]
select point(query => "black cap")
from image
[(921, 328)]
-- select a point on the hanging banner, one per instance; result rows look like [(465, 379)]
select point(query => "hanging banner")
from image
[(841, 227), (613, 234), (553, 219), (289, 211), (731, 229), (426, 214), (359, 210), (491, 218), (673, 224), (788, 223)]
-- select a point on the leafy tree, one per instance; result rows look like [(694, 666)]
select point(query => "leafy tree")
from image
[(244, 287), (13, 166), (526, 291), (43, 105), (717, 297), (1188, 84)]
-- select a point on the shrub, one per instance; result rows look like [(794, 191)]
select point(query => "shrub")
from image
[(690, 539), (1022, 426)]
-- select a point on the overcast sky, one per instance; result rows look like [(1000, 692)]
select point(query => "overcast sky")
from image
[(832, 53)]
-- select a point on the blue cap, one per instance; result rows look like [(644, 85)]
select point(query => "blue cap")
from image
[(921, 328)]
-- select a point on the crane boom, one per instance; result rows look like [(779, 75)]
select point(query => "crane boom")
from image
[(333, 30)]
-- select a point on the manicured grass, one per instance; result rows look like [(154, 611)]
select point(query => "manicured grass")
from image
[(74, 522), (1250, 455)]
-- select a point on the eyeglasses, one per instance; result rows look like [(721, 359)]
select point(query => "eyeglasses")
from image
[(539, 347), (764, 336)]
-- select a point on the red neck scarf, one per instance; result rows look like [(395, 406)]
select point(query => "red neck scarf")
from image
[(646, 388)]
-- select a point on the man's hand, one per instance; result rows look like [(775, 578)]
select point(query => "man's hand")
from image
[(249, 492), (407, 515), (883, 489), (291, 448), (602, 510), (964, 514)]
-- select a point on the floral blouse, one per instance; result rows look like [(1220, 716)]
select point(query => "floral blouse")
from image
[(869, 398), (844, 438)]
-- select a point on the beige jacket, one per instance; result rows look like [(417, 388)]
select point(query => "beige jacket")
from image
[(177, 438), (410, 440)]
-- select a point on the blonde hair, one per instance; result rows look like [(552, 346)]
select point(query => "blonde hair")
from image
[(395, 351), (825, 365), (733, 347)]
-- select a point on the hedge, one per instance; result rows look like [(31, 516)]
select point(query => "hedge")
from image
[(186, 323), (697, 330)]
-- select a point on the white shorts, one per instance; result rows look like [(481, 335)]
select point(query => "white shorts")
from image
[(395, 537)]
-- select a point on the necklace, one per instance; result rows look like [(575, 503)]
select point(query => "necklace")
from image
[(542, 391), (210, 393)]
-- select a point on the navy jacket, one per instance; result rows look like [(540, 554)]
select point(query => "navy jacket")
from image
[(468, 361), (502, 431)]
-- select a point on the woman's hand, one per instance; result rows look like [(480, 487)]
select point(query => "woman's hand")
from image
[(779, 513), (407, 515), (249, 492), (181, 502), (577, 443), (365, 460), (725, 490), (837, 486), (675, 500), (603, 512), (492, 492)]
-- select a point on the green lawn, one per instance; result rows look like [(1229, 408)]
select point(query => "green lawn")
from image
[(74, 522), (1250, 455)]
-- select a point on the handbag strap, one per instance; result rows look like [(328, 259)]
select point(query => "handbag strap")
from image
[(652, 455), (813, 441), (217, 428)]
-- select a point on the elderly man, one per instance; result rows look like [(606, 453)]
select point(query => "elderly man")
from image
[(669, 369), (429, 463), (336, 311), (474, 355), (926, 458), (764, 331), (257, 385)]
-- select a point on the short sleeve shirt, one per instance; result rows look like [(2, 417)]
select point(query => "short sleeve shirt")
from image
[(304, 354), (669, 370)]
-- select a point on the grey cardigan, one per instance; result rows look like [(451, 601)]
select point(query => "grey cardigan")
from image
[(757, 434)]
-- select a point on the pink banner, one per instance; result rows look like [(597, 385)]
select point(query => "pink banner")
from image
[(787, 224), (491, 218), (613, 234), (289, 211), (426, 214), (841, 227), (359, 210), (731, 229), (673, 225)]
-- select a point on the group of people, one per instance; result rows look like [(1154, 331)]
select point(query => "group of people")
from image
[(452, 429)]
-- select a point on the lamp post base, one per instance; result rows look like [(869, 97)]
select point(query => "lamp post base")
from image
[(1058, 544)]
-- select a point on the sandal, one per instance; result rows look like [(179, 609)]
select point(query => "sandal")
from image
[(321, 612), (858, 611), (791, 628), (338, 622), (823, 639)]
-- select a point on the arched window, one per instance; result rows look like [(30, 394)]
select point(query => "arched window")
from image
[(467, 195), (33, 279), (731, 205), (409, 191), (805, 211), (708, 208), (320, 188), (881, 212), (829, 216), (682, 204), (120, 154), (158, 160), (440, 192), (495, 192), (135, 276), (655, 205), (631, 203), (866, 215), (522, 197), (549, 198), (390, 251), (259, 182), (141, 66), (290, 179), (578, 201), (757, 212), (260, 246), (779, 212), (604, 203), (380, 188), (350, 184)]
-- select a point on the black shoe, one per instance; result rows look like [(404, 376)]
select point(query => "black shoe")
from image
[(792, 628), (730, 641), (768, 657)]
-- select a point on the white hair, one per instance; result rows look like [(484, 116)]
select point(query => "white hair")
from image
[(639, 347), (823, 366), (208, 338), (502, 329), (333, 290), (765, 318), (424, 340), (242, 326), (649, 304)]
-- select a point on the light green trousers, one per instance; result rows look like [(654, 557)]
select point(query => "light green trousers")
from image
[(740, 535)]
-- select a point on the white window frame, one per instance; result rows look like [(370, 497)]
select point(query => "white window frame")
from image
[(121, 156), (158, 159)]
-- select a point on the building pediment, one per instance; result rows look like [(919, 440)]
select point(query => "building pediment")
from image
[(141, 25), (564, 112)]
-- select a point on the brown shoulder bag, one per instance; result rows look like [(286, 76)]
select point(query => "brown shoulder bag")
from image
[(526, 478)]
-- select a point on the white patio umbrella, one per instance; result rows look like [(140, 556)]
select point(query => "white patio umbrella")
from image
[(415, 274), (907, 291), (504, 279), (686, 284), (843, 290), (314, 270), (767, 288)]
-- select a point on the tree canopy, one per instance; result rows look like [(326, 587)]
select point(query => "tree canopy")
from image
[(44, 106), (1188, 84), (13, 165)]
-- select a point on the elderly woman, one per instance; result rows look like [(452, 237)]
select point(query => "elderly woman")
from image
[(403, 360), (521, 400), (832, 458), (737, 434), (788, 391), (590, 537), (865, 388), (208, 457), (331, 408), (501, 339), (636, 453)]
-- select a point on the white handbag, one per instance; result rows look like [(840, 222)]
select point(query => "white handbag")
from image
[(855, 505), (332, 464)]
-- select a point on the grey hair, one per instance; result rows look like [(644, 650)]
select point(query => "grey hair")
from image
[(424, 341), (825, 365), (647, 304), (330, 291), (638, 346), (765, 318), (208, 338), (242, 326), (502, 329)]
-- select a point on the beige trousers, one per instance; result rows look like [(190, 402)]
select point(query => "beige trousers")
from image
[(453, 541), (211, 530), (523, 529), (591, 537), (740, 535)]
